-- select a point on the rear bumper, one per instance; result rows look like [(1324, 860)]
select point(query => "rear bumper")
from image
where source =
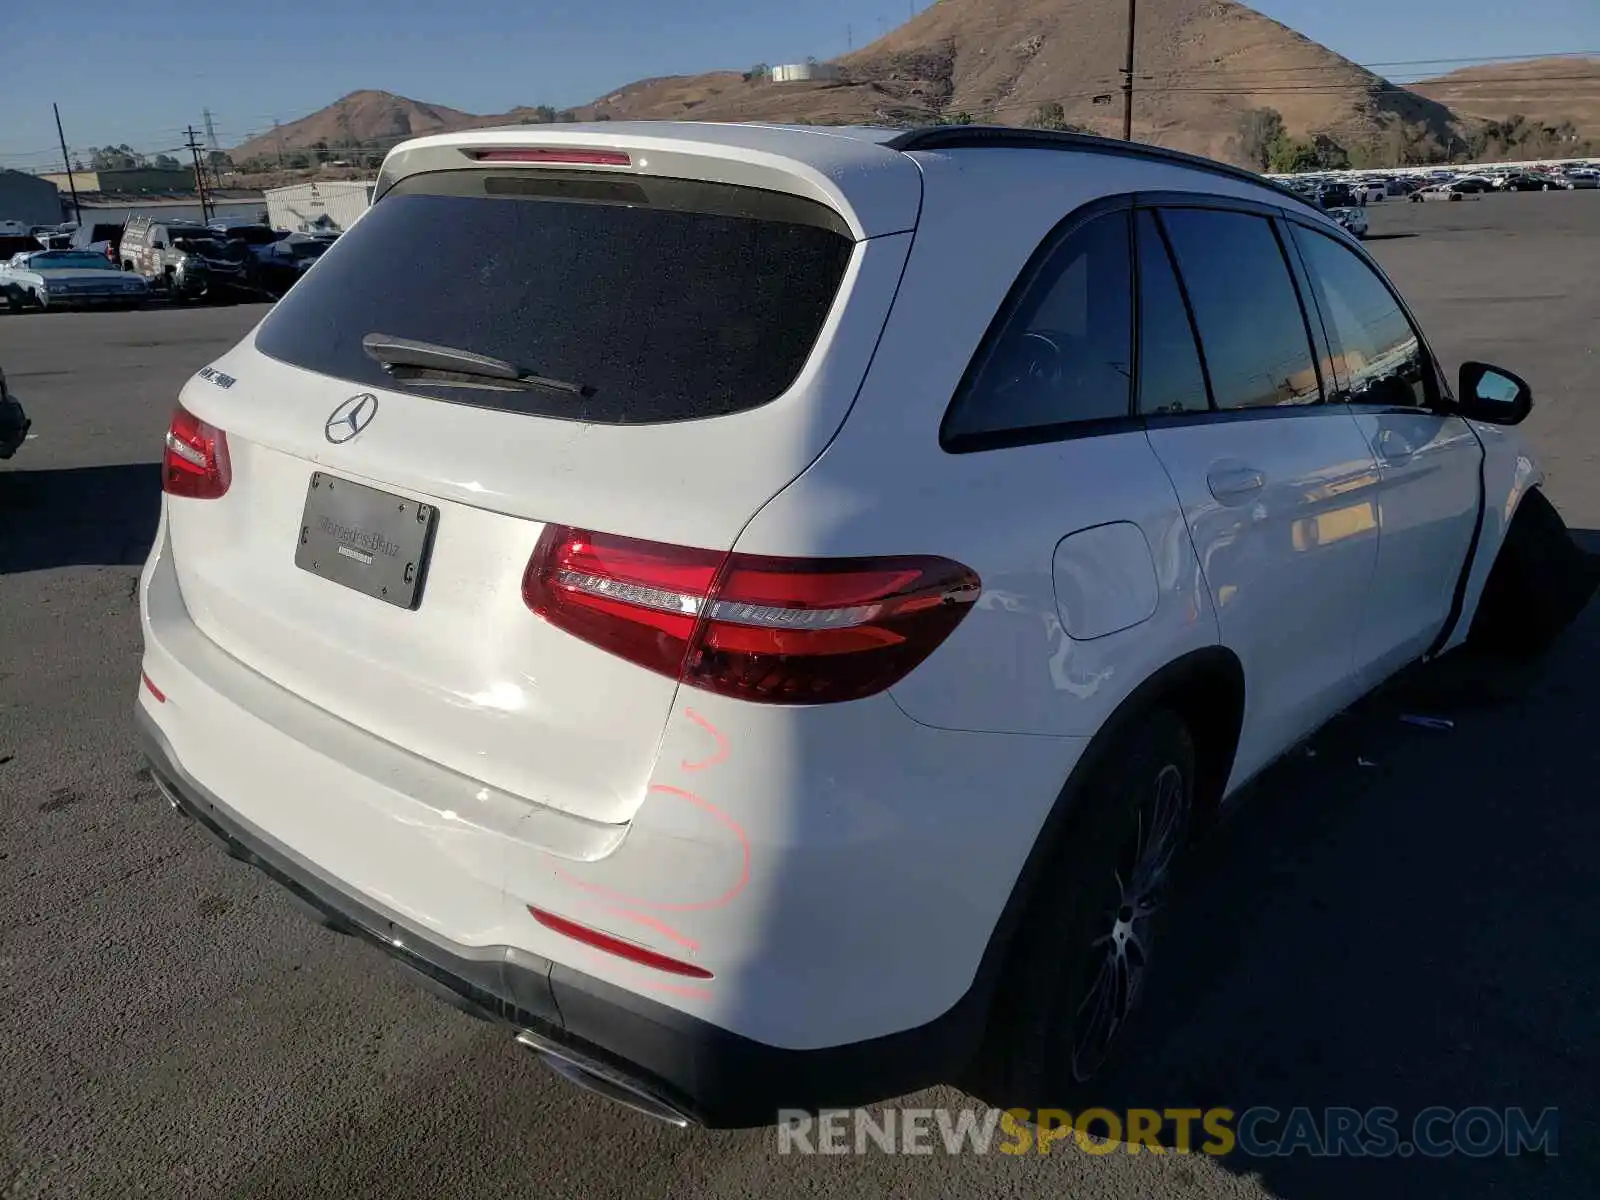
[(687, 1066)]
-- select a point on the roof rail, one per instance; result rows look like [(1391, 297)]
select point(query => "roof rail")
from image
[(1008, 137)]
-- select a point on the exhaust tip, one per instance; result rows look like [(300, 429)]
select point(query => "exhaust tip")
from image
[(168, 794), (608, 1084)]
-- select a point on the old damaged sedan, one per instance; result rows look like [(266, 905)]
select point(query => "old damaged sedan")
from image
[(69, 279)]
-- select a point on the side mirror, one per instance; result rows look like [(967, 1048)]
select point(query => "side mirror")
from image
[(1492, 395)]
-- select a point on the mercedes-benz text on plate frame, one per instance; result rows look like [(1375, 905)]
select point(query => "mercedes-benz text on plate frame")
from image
[(350, 418), (373, 541)]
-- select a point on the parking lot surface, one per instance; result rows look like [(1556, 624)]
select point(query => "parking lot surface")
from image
[(1405, 917)]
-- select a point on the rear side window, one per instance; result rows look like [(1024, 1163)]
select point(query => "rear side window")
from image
[(1257, 348), (1171, 379), (1065, 354), (1377, 355), (666, 300)]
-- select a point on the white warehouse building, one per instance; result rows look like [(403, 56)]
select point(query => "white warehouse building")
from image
[(328, 207), (804, 72)]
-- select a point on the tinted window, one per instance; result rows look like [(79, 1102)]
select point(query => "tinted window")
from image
[(671, 299), (1065, 354), (1170, 376), (1246, 308), (1377, 356)]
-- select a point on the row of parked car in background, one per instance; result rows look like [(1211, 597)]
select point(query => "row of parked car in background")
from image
[(124, 265), (1361, 188)]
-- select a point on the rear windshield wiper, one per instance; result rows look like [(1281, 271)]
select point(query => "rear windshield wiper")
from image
[(409, 361)]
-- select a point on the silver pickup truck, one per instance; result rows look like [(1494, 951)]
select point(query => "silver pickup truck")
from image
[(183, 259)]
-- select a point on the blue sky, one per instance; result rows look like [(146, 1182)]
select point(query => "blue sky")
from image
[(139, 74)]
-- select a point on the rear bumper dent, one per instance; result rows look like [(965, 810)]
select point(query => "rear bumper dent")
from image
[(636, 1051)]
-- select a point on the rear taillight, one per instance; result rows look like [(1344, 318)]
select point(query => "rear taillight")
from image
[(195, 464), (774, 630)]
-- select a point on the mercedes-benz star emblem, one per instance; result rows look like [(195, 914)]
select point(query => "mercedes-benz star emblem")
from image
[(350, 418)]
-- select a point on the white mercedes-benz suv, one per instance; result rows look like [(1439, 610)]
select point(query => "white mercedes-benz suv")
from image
[(758, 611)]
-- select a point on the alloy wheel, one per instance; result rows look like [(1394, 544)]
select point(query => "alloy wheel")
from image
[(1119, 952)]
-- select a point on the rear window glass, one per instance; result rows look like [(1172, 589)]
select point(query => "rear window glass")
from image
[(666, 300)]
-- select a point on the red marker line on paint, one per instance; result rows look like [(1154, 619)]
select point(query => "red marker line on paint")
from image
[(722, 743)]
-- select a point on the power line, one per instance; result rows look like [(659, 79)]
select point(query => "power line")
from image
[(1472, 61)]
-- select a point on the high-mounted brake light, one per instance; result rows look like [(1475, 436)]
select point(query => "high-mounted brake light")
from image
[(773, 630), (196, 464), (555, 154), (631, 951)]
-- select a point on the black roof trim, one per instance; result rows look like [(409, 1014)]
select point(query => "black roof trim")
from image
[(1007, 137)]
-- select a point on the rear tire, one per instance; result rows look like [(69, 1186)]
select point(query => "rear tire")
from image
[(1541, 580), (1079, 963)]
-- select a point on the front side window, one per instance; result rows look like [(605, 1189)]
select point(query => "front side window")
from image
[(1065, 354), (1246, 309), (1377, 356)]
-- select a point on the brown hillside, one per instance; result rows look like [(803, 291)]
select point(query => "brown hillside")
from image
[(1549, 90), (365, 116), (1200, 64)]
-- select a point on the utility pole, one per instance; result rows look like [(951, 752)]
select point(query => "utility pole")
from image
[(1127, 80), (215, 151), (278, 134), (66, 161), (199, 173)]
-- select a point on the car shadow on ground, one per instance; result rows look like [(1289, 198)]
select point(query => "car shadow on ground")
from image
[(78, 516), (1402, 915)]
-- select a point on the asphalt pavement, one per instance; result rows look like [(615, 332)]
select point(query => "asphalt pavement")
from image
[(1404, 916)]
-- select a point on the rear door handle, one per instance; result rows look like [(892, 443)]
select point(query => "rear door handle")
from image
[(1235, 485)]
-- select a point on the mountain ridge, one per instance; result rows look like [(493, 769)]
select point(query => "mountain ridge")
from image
[(1202, 64)]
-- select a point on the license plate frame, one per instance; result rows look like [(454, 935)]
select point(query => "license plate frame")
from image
[(366, 539)]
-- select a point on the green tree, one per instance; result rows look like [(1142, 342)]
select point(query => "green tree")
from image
[(1290, 156), (165, 162), (115, 158), (1053, 116), (1331, 156), (1260, 129)]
